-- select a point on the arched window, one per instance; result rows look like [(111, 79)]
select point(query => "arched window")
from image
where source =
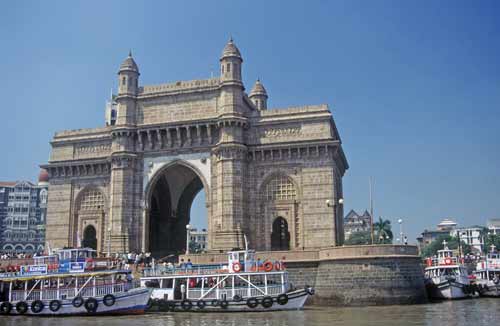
[(92, 200), (43, 196), (222, 68), (280, 188), (124, 81), (228, 67)]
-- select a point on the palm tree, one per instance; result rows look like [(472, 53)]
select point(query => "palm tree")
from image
[(383, 232)]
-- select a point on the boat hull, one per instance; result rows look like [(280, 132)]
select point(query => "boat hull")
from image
[(296, 301), (134, 301), (488, 289), (447, 290)]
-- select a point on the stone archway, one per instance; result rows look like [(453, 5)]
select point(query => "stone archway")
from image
[(170, 196), (89, 237), (280, 236)]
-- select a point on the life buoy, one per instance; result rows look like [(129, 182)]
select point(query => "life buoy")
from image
[(77, 302), (448, 261), (237, 267), (186, 304), (268, 266), (201, 304), (496, 280), (21, 307), (37, 306), (5, 308), (224, 304), (55, 305), (429, 262), (237, 298), (252, 302), (109, 300), (267, 302), (89, 264), (215, 303), (91, 305), (282, 299), (170, 306)]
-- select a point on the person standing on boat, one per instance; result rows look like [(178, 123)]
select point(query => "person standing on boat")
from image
[(189, 264), (183, 291)]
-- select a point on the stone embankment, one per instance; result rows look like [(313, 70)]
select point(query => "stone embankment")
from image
[(350, 275)]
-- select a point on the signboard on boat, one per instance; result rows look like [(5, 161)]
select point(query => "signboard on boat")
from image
[(33, 269), (77, 267)]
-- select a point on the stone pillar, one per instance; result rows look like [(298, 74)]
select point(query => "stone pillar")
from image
[(122, 199)]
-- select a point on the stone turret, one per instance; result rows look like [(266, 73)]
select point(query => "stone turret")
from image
[(258, 96), (230, 63), (128, 76), (128, 81)]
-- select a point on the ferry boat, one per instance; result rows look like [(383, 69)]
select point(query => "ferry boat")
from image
[(238, 286), (488, 274), (446, 277), (70, 282)]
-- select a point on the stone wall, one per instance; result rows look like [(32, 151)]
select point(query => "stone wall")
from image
[(353, 275)]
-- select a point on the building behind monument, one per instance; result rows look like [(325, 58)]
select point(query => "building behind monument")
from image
[(23, 209)]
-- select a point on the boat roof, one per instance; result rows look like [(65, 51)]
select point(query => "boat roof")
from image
[(201, 275), (52, 275), (443, 267)]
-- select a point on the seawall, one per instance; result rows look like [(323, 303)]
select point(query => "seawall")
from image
[(350, 275)]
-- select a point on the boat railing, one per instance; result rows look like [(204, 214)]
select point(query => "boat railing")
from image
[(68, 293), (160, 270), (172, 270), (229, 293)]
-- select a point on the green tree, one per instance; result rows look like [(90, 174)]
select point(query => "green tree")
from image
[(383, 231), (358, 238), (491, 239), (194, 247), (451, 242)]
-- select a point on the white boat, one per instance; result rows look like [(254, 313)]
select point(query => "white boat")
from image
[(488, 274), (240, 285), (60, 286), (446, 277)]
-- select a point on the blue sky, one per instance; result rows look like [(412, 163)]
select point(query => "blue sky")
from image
[(414, 86)]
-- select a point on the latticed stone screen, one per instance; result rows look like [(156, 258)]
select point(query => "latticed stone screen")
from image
[(280, 188), (92, 200)]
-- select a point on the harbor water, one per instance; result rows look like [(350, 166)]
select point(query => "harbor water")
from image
[(465, 312)]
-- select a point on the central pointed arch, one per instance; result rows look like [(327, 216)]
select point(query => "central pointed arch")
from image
[(169, 196)]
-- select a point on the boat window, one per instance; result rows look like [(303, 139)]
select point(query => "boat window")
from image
[(167, 283)]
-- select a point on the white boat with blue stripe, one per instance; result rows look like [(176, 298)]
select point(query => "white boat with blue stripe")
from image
[(71, 282)]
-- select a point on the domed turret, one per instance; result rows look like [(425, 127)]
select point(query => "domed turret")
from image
[(258, 96), (43, 177), (231, 50), (230, 63), (128, 76)]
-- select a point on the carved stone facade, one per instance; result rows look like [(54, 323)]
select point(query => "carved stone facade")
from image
[(256, 166)]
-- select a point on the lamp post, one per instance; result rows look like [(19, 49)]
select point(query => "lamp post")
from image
[(109, 241), (188, 227), (400, 221), (328, 203)]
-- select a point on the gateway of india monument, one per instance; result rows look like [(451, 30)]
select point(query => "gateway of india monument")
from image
[(273, 175)]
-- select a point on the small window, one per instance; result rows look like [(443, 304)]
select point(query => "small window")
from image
[(228, 67), (222, 69), (124, 81), (166, 283)]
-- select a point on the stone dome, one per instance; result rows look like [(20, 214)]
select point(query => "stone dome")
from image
[(258, 89), (43, 176), (129, 64), (230, 50)]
